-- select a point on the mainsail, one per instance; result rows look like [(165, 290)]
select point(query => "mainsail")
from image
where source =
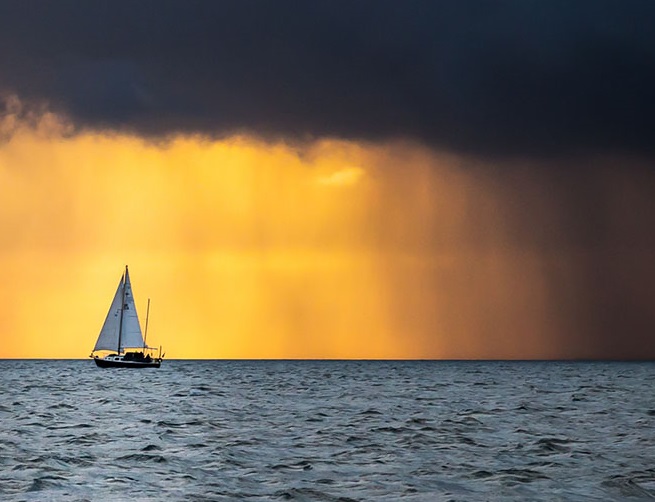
[(122, 321)]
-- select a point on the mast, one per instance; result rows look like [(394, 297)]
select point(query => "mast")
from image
[(145, 336), (120, 324)]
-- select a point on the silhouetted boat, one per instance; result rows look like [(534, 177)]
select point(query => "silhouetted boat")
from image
[(121, 334)]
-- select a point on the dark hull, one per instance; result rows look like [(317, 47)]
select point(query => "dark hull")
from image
[(103, 363)]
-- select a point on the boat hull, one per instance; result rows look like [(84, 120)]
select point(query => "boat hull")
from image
[(104, 363)]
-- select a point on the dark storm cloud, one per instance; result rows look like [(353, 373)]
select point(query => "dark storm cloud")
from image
[(484, 77)]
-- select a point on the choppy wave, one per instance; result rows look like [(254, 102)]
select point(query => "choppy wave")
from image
[(327, 431)]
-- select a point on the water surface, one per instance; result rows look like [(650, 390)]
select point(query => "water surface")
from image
[(328, 431)]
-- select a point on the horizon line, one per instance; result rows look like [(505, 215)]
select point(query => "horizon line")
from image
[(572, 359)]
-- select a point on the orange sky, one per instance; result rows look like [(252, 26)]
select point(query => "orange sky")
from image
[(242, 246), (247, 249)]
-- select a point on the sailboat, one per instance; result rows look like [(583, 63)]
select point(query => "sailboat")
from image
[(121, 334)]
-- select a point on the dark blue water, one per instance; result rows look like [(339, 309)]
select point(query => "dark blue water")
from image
[(327, 430)]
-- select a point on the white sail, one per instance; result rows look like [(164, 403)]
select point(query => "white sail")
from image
[(130, 331), (108, 338), (131, 335)]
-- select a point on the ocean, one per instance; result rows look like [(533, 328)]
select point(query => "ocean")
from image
[(327, 431)]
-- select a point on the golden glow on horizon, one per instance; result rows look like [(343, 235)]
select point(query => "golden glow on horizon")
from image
[(257, 250), (243, 246)]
